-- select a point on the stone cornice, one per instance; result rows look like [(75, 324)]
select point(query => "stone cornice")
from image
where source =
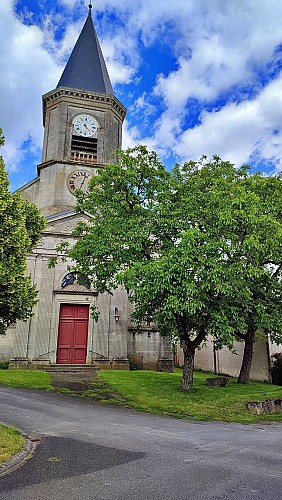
[(66, 291), (76, 164), (85, 95)]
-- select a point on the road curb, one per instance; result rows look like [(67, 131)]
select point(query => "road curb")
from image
[(23, 455)]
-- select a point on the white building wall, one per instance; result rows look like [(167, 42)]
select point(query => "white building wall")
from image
[(229, 363)]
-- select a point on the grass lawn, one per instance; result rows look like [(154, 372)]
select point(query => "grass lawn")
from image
[(31, 379), (11, 442), (159, 393)]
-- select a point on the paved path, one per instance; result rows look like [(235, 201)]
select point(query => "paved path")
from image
[(90, 451)]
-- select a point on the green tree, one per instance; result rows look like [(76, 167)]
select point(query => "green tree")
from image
[(176, 241), (258, 231), (240, 214), (20, 228)]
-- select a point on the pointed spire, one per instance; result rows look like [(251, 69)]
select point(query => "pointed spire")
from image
[(86, 68)]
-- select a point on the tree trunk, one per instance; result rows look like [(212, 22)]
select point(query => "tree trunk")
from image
[(246, 366), (188, 367)]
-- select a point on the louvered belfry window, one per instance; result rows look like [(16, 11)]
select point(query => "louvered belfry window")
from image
[(84, 144), (84, 148)]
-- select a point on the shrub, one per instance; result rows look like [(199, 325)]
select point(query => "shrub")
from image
[(276, 370), (4, 365)]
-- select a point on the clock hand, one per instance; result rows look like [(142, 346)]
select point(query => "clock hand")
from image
[(82, 182)]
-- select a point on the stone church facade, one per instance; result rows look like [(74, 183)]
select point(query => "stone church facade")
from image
[(82, 129)]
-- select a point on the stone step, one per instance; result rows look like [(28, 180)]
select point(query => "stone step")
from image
[(70, 368)]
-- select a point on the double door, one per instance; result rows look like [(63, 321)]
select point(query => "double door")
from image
[(73, 334)]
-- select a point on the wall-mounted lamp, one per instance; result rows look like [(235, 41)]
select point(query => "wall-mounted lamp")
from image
[(117, 315)]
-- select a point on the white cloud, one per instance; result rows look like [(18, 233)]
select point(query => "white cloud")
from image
[(31, 61), (121, 57), (226, 40), (27, 71), (130, 136), (68, 3), (238, 130), (218, 47)]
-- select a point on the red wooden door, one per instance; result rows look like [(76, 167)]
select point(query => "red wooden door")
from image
[(73, 333)]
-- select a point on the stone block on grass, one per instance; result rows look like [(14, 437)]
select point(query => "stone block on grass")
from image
[(218, 381)]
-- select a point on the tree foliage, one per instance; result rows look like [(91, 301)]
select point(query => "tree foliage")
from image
[(239, 214), (197, 248), (20, 228)]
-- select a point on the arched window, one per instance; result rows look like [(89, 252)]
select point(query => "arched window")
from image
[(74, 277)]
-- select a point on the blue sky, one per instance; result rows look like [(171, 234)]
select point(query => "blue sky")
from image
[(197, 76)]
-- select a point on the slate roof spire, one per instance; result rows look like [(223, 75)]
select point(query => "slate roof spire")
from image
[(86, 68)]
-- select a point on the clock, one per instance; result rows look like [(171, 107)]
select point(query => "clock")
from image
[(78, 180), (85, 125)]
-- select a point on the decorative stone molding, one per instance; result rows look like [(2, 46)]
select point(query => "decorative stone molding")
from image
[(75, 288), (88, 96), (83, 157), (142, 328)]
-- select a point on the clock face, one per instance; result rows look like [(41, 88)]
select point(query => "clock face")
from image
[(79, 180), (85, 125)]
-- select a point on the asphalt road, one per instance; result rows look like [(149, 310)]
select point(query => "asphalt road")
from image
[(90, 451)]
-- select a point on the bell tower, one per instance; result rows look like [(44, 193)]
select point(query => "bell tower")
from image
[(82, 130), (82, 125)]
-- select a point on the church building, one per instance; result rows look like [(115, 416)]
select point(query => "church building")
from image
[(82, 129)]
